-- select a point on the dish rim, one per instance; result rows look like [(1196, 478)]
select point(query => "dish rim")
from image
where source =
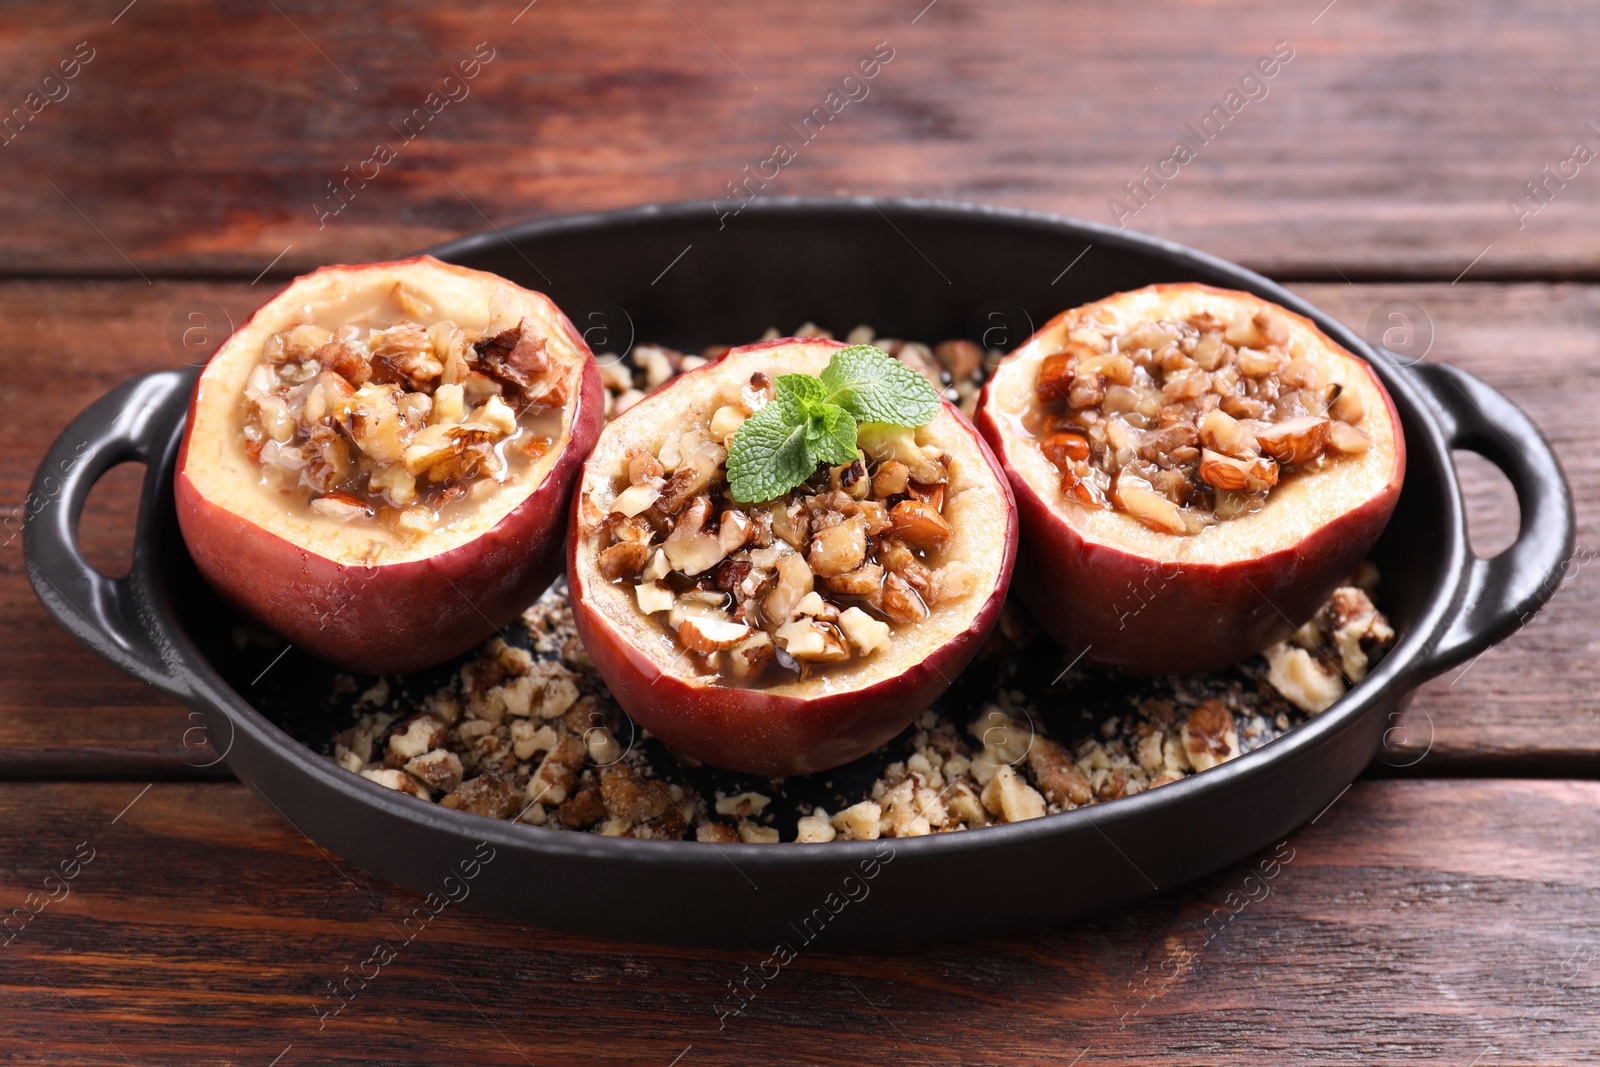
[(1405, 666)]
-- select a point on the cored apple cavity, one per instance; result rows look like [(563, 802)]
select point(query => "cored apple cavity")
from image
[(1182, 422), (377, 464), (770, 592), (1195, 470), (876, 581), (387, 419)]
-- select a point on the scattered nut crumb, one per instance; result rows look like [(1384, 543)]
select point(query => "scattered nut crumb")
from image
[(530, 733)]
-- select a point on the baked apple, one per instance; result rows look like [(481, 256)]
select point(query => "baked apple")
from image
[(1195, 470), (787, 626), (377, 463)]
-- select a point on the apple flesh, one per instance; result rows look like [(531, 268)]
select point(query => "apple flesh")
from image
[(1117, 592), (840, 713), (362, 596)]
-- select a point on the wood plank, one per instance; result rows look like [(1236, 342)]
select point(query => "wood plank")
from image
[(1528, 700), (201, 137), (64, 710), (1400, 927)]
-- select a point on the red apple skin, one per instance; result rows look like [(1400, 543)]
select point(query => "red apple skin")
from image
[(1143, 616), (758, 732), (401, 616)]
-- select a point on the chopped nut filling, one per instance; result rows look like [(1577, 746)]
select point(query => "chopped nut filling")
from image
[(395, 424), (1182, 424), (533, 735), (763, 593)]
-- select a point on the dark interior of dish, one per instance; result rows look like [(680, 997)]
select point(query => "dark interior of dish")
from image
[(918, 275)]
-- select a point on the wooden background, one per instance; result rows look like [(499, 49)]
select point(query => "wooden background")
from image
[(1441, 912)]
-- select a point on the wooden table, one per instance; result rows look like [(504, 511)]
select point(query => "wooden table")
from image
[(1441, 911)]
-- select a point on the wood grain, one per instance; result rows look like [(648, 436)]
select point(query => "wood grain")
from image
[(1529, 699), (1415, 922), (204, 137), (1436, 919), (62, 709)]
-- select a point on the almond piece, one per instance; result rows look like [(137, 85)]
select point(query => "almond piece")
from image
[(700, 633), (1224, 472), (1256, 363), (653, 597), (635, 499), (1061, 449), (1055, 378), (817, 642), (919, 523), (1222, 433), (1075, 488), (340, 506), (1145, 504), (900, 602), (928, 493), (643, 468), (1292, 441)]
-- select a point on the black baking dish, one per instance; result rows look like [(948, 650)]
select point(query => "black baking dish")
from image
[(682, 275)]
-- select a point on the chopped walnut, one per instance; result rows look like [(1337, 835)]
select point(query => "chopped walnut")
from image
[(417, 735), (766, 593), (751, 834), (1185, 423), (1008, 796), (628, 796), (539, 721), (439, 769), (815, 828), (1354, 626), (394, 424), (859, 822), (557, 775), (1307, 682), (1209, 737), (1057, 775), (583, 808), (397, 780), (1005, 740), (743, 805), (488, 794)]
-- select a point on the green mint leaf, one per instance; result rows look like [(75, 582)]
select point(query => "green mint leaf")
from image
[(813, 420), (831, 434), (770, 455), (873, 386), (802, 389)]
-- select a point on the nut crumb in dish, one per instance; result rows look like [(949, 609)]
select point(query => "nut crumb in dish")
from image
[(537, 729)]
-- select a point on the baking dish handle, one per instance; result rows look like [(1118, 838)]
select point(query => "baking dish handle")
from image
[(1502, 593), (113, 616)]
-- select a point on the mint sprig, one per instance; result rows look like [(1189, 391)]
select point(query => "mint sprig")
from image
[(875, 387), (812, 420)]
